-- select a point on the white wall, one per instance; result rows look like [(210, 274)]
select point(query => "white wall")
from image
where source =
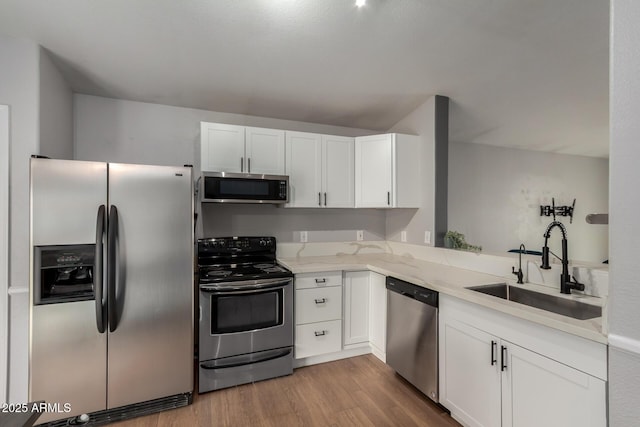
[(135, 132), (495, 195), (420, 122), (56, 111), (19, 90), (322, 225), (624, 313)]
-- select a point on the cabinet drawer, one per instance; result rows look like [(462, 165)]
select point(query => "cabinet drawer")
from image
[(316, 280), (318, 304), (318, 338)]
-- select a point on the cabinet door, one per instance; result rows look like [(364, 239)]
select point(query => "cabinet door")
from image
[(222, 148), (356, 307), (378, 315), (374, 160), (539, 391), (469, 373), (303, 165), (338, 173), (264, 150)]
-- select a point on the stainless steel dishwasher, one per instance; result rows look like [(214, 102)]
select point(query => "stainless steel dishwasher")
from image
[(412, 334)]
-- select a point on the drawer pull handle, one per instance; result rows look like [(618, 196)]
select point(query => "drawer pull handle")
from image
[(320, 333), (320, 301), (321, 280)]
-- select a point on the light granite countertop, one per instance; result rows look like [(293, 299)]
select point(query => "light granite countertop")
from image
[(453, 281)]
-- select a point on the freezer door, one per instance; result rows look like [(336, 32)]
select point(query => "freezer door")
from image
[(151, 312), (68, 359)]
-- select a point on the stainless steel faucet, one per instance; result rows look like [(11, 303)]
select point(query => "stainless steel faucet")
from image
[(565, 280), (519, 272)]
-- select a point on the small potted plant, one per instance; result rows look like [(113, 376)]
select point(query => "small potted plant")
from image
[(455, 240)]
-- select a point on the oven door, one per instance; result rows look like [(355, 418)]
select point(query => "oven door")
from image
[(245, 317)]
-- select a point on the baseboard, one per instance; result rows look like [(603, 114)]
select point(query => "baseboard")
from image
[(330, 357)]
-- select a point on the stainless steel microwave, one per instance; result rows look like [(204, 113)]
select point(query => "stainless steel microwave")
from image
[(226, 187)]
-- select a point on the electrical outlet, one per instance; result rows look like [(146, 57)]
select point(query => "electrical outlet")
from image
[(359, 235), (427, 237), (403, 236), (303, 237)]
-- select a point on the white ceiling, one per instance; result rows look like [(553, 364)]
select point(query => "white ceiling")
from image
[(520, 73)]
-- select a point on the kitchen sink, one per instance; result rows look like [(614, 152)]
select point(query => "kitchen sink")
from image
[(555, 304)]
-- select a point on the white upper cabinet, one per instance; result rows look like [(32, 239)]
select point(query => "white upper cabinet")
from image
[(303, 165), (228, 148), (387, 171), (320, 169), (338, 171), (221, 147), (264, 149)]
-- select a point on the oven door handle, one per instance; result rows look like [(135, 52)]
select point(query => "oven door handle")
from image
[(244, 287), (234, 362)]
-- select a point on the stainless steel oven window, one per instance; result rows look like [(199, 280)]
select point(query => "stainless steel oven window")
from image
[(243, 312)]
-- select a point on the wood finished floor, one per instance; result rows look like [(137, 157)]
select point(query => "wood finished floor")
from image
[(360, 391)]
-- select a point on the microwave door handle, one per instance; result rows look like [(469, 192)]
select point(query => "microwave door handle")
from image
[(112, 267), (98, 274), (249, 164)]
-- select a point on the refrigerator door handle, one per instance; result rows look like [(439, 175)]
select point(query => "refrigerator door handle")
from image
[(98, 274), (112, 267)]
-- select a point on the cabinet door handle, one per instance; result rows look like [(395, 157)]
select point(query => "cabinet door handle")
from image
[(320, 333), (503, 358), (320, 300), (494, 346), (241, 164), (319, 199), (389, 198), (325, 199), (321, 280), (249, 164)]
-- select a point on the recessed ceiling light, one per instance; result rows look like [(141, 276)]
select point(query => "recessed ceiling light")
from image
[(360, 3)]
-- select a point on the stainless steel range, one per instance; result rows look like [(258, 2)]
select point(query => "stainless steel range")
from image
[(246, 312)]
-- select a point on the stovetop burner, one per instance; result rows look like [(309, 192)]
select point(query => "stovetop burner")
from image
[(238, 259)]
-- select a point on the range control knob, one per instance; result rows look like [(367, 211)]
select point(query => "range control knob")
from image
[(263, 242)]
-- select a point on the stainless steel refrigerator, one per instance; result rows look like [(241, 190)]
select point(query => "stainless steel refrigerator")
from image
[(111, 331)]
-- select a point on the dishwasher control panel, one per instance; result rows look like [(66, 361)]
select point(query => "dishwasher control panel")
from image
[(410, 290)]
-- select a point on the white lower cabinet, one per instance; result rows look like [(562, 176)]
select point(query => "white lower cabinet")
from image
[(469, 374), (488, 380), (339, 315), (378, 315), (539, 391), (318, 313), (356, 307)]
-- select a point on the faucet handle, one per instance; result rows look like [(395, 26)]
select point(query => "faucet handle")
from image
[(518, 274), (577, 285)]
